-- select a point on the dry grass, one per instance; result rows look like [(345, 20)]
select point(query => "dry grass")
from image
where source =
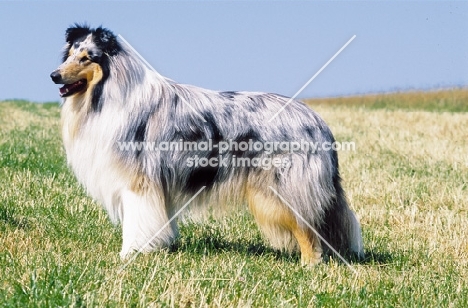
[(407, 180), (409, 172), (454, 100)]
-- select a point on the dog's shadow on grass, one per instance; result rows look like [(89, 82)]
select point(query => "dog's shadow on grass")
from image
[(376, 257), (206, 241), (371, 257)]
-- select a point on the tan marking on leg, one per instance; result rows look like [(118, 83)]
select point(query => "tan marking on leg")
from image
[(311, 250), (270, 212)]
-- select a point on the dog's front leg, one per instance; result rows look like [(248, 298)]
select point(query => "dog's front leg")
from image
[(145, 224)]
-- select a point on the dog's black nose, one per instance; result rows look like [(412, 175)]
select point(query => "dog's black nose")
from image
[(56, 77)]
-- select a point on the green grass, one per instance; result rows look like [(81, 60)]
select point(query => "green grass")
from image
[(407, 181)]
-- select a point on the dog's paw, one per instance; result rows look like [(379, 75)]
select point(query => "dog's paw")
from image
[(311, 259), (126, 253)]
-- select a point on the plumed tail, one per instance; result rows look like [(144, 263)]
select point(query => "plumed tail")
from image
[(341, 228)]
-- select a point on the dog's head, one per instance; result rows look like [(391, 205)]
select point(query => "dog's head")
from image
[(85, 59)]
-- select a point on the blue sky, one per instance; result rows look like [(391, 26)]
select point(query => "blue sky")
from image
[(243, 45)]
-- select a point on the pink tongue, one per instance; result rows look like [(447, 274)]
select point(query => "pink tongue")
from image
[(70, 87), (64, 90)]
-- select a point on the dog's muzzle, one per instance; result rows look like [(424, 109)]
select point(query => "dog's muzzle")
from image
[(70, 88)]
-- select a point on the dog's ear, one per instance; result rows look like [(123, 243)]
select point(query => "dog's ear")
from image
[(75, 32), (106, 41)]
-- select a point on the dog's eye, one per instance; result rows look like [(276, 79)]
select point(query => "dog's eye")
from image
[(84, 59)]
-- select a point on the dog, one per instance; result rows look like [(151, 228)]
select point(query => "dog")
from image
[(143, 146)]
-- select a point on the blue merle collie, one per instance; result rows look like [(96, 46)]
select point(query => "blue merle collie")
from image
[(112, 97)]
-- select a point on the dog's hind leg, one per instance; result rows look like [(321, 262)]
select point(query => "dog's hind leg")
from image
[(145, 223), (281, 227)]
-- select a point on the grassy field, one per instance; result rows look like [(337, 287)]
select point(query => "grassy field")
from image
[(407, 181)]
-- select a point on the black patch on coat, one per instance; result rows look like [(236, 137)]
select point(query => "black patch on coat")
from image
[(229, 94), (97, 101), (106, 41), (198, 176)]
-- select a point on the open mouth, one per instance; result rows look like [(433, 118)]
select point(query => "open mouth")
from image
[(72, 88)]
